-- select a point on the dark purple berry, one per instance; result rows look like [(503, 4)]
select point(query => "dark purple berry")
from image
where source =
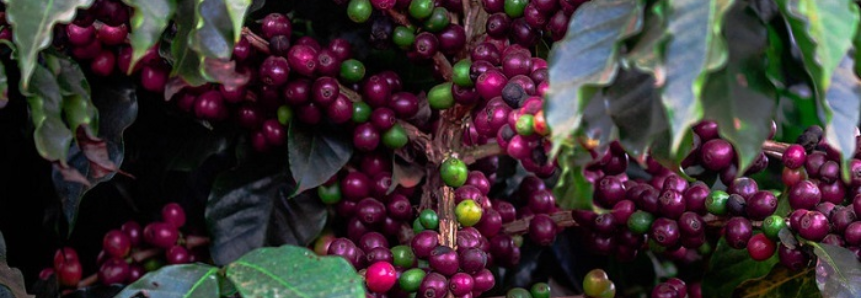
[(665, 232), (814, 226), (717, 154), (804, 195), (761, 205), (794, 157)]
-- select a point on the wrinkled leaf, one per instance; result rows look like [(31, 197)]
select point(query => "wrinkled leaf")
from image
[(739, 97), (148, 22), (237, 9), (838, 272), (315, 155), (291, 271), (249, 208), (176, 281), (213, 35), (586, 57), (695, 47), (51, 135), (781, 282), (187, 63), (573, 190), (647, 51), (843, 98), (635, 106), (729, 267), (32, 25)]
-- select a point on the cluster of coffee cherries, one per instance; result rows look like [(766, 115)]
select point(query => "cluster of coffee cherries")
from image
[(676, 288), (98, 35), (398, 248), (117, 261), (525, 21), (538, 290)]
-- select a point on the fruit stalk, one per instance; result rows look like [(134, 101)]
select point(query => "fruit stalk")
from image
[(256, 41)]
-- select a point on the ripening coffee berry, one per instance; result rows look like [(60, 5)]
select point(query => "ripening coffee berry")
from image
[(116, 243), (380, 277), (444, 260), (665, 232), (411, 279), (804, 195), (716, 202), (792, 258), (424, 242), (760, 247), (717, 154), (468, 213), (794, 157), (772, 225), (738, 232), (542, 229), (403, 256), (172, 213), (814, 226), (640, 222), (596, 283), (160, 234), (453, 172)]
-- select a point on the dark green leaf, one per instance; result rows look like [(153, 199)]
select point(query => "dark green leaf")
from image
[(237, 9), (315, 155), (291, 271), (647, 51), (176, 281), (635, 106), (843, 99), (248, 208), (51, 135), (573, 190), (739, 97), (597, 124), (32, 25), (148, 22), (213, 35), (187, 62), (838, 272), (729, 267), (695, 48), (587, 57), (781, 282)]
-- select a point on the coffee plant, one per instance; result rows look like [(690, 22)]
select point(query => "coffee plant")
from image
[(430, 148)]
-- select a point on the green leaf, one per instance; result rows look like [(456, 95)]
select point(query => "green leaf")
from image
[(315, 155), (635, 106), (647, 51), (740, 97), (781, 282), (843, 98), (838, 272), (213, 35), (586, 57), (237, 10), (290, 271), (51, 135), (148, 22), (176, 281), (249, 208), (187, 62), (695, 48), (729, 267), (573, 190), (32, 25)]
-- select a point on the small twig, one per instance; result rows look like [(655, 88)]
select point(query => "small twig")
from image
[(143, 255), (256, 41), (192, 241), (563, 219), (447, 219), (399, 18), (443, 66), (88, 281), (349, 93), (472, 154)]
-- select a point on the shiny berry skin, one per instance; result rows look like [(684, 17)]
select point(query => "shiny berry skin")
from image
[(596, 283), (403, 256), (160, 234), (665, 232), (461, 284), (113, 35), (133, 230), (664, 290), (738, 232), (716, 202), (761, 205), (814, 226), (483, 280), (116, 243), (744, 187), (772, 225), (542, 229), (370, 211), (340, 111), (177, 255), (372, 240), (103, 64), (468, 213), (717, 154), (472, 260), (452, 39), (794, 157), (325, 90), (80, 36), (671, 203), (411, 279), (444, 260), (793, 259), (841, 218), (276, 24), (610, 191), (404, 104), (434, 285), (695, 198), (440, 97), (691, 224), (429, 219), (274, 71), (426, 45), (135, 272), (454, 172), (490, 84), (366, 137), (760, 247), (640, 222), (604, 223), (804, 195), (352, 70), (514, 8), (69, 273), (424, 242), (403, 37), (359, 11), (438, 20), (114, 271), (380, 277), (173, 213)]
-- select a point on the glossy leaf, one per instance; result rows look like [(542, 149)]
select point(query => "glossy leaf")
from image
[(695, 48), (573, 190), (586, 57), (51, 135), (635, 106), (740, 97), (291, 271), (148, 22), (176, 281), (647, 51), (729, 267), (32, 25), (843, 98), (237, 9), (213, 34), (779, 283), (838, 272), (187, 63), (249, 208), (315, 155)]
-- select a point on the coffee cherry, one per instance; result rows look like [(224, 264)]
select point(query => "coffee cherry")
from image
[(69, 273), (444, 260), (429, 219), (761, 205), (717, 154), (665, 232), (424, 242), (411, 279), (330, 194), (793, 259), (772, 225), (691, 224), (716, 202), (136, 271), (671, 203), (274, 71), (664, 290), (403, 37), (116, 243), (468, 213), (160, 234), (453, 172), (359, 11), (814, 226), (542, 229), (794, 157), (172, 213), (760, 247), (352, 70), (804, 195), (434, 285), (640, 222), (177, 255), (596, 283), (370, 211), (440, 97), (738, 232), (134, 231), (540, 290), (114, 271), (275, 24), (403, 256), (380, 277), (695, 198)]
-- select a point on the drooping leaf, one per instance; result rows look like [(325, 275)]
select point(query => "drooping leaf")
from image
[(291, 271), (315, 155), (187, 62), (597, 123), (237, 9), (176, 281), (148, 22), (647, 51), (573, 190), (32, 25), (843, 98), (51, 135), (11, 278), (695, 48), (838, 272), (740, 97), (729, 267), (635, 106), (249, 208), (779, 283), (586, 57), (97, 159), (213, 35)]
